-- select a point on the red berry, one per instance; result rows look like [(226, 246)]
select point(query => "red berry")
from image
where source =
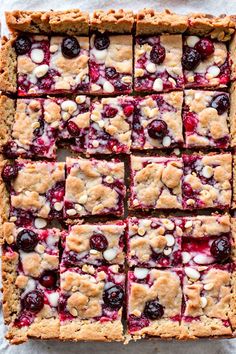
[(205, 47), (48, 279), (110, 112), (190, 122), (27, 240), (221, 249), (33, 301), (9, 172), (128, 110), (73, 129), (98, 242), (157, 129), (157, 54)]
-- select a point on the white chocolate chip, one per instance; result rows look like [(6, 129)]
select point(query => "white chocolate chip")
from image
[(186, 256), (37, 55), (53, 298), (192, 40), (71, 212), (108, 87), (53, 48), (158, 85), (167, 251), (83, 199), (65, 116), (166, 141), (110, 254), (40, 223), (151, 68), (58, 206), (207, 171), (170, 240), (100, 54), (95, 143), (40, 248), (141, 231), (101, 123), (69, 106), (203, 301), (41, 70), (177, 151), (202, 259), (213, 70), (188, 224), (94, 252), (109, 179), (80, 99), (192, 273), (140, 273), (208, 286)]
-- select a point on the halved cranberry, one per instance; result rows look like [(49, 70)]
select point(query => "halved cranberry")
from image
[(114, 296), (191, 58), (94, 72), (33, 301), (187, 190), (157, 54), (220, 103), (111, 73), (128, 110), (70, 47), (48, 279), (110, 112), (98, 242), (221, 249), (22, 45), (190, 122), (9, 172), (205, 47), (73, 129), (153, 310), (27, 240), (101, 41), (157, 129)]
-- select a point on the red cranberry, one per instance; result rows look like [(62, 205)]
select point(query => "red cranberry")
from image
[(9, 172), (190, 122), (101, 41), (94, 72), (114, 296), (187, 190), (73, 129), (27, 240), (111, 73), (191, 58), (110, 112), (22, 45), (157, 129), (48, 279), (220, 103), (128, 110), (98, 242), (157, 54), (221, 249), (33, 301), (205, 47), (70, 47), (153, 310)]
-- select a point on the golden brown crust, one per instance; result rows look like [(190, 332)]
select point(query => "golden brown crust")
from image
[(232, 51), (234, 183), (96, 331), (117, 21), (8, 65), (232, 312), (7, 115), (219, 27), (232, 114), (69, 21), (150, 21), (4, 197)]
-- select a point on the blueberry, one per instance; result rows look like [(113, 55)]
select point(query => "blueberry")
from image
[(70, 47), (114, 297), (101, 41), (9, 172), (153, 310), (221, 249), (220, 103), (22, 45), (191, 58)]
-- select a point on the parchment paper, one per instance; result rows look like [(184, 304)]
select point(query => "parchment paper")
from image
[(207, 346)]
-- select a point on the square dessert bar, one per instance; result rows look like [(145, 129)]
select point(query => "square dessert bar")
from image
[(154, 242), (30, 280), (156, 182), (97, 244), (205, 118), (207, 181), (207, 240), (206, 62), (207, 297), (157, 121), (154, 303), (94, 187), (91, 301), (110, 125), (36, 189)]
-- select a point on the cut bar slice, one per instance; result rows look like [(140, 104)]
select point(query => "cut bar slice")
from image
[(91, 302)]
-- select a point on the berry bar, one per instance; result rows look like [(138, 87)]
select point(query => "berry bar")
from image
[(98, 244), (110, 125), (91, 303), (94, 187), (205, 118), (156, 182), (30, 280), (157, 121), (207, 181), (154, 303), (154, 242)]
